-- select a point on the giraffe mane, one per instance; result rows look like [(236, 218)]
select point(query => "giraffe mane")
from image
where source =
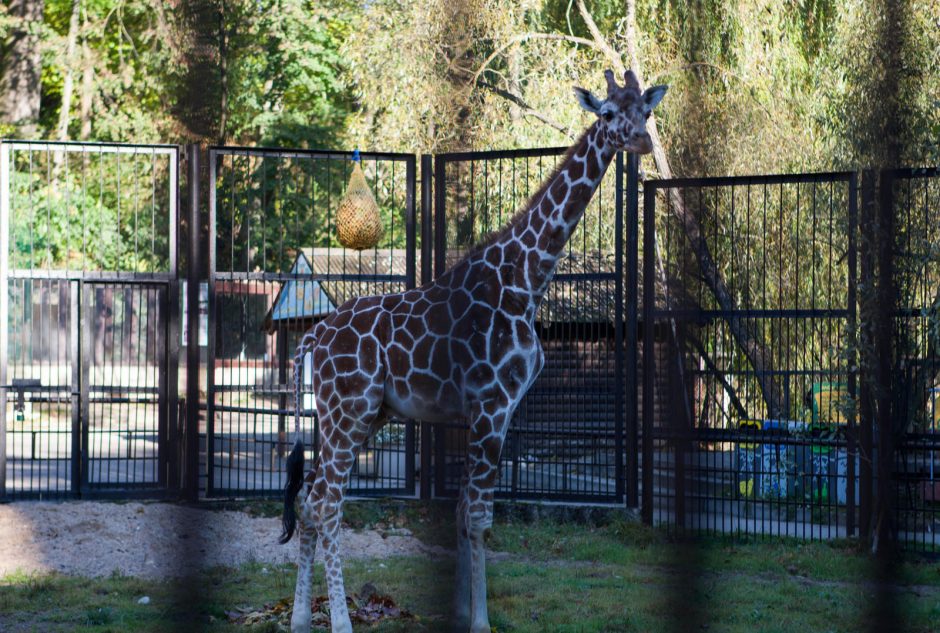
[(523, 212)]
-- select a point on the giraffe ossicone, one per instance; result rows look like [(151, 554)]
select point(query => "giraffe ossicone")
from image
[(463, 346)]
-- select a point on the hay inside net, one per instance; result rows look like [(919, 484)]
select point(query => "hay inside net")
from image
[(358, 223)]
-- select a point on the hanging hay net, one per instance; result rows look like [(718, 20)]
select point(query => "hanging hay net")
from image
[(358, 223)]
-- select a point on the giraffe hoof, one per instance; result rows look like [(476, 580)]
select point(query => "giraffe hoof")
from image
[(300, 622), (343, 626)]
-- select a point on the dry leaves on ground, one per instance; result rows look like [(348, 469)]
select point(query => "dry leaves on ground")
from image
[(366, 607)]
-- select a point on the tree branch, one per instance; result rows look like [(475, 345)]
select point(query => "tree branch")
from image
[(527, 110), (523, 37)]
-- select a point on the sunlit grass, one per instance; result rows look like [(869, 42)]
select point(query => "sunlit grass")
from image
[(614, 575)]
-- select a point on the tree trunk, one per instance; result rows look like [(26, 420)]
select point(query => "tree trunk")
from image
[(745, 333), (87, 94), (223, 76), (69, 83), (22, 67)]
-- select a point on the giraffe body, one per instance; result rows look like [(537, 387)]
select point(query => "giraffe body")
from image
[(460, 348)]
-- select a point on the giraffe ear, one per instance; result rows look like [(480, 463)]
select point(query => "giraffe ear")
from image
[(652, 97), (588, 101)]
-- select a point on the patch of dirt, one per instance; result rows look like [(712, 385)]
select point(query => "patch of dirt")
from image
[(160, 540)]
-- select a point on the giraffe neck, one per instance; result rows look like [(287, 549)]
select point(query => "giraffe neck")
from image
[(536, 237)]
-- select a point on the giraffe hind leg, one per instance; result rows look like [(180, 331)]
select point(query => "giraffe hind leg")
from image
[(307, 535), (343, 447)]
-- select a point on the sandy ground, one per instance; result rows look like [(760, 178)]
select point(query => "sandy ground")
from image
[(158, 540)]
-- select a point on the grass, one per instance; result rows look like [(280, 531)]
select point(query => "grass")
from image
[(549, 576)]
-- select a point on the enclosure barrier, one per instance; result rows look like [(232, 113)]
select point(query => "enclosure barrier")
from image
[(758, 411), (88, 298)]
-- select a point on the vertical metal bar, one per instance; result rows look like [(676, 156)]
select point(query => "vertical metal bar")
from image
[(282, 361), (440, 219), (210, 348), (649, 360), (411, 226), (411, 257), (618, 329), (174, 443), (193, 274), (630, 359), (410, 450), (4, 306), (75, 353), (866, 409), (427, 236), (164, 407), (851, 440), (440, 262), (85, 352), (884, 348)]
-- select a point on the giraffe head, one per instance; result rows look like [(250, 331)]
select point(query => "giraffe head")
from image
[(622, 116)]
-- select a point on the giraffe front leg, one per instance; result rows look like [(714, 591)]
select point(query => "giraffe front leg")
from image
[(462, 584), (300, 618), (486, 443)]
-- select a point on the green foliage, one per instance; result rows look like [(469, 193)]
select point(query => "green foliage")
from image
[(286, 71), (92, 212)]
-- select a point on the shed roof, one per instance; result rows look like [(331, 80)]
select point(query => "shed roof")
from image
[(582, 291)]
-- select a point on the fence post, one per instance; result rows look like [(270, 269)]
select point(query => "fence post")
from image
[(852, 300), (866, 408), (619, 382), (411, 230), (170, 382), (883, 327), (4, 306), (193, 270), (427, 236), (649, 354), (632, 225)]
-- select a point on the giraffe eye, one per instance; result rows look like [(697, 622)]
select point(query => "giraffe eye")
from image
[(608, 115)]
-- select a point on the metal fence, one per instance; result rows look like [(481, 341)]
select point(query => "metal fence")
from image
[(912, 197), (760, 414), (88, 298), (275, 268), (566, 439)]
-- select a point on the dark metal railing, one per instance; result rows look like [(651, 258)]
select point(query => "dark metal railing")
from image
[(741, 357)]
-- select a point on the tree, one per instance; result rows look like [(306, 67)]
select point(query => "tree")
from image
[(21, 81)]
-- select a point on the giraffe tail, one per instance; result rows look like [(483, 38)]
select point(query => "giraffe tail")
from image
[(295, 481), (295, 461)]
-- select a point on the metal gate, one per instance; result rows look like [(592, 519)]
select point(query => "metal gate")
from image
[(749, 371), (275, 268), (88, 293), (566, 440)]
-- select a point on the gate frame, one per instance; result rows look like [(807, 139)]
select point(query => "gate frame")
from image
[(624, 377), (651, 312), (168, 398), (213, 276)]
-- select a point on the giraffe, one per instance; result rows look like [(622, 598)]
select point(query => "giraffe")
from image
[(462, 347)]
